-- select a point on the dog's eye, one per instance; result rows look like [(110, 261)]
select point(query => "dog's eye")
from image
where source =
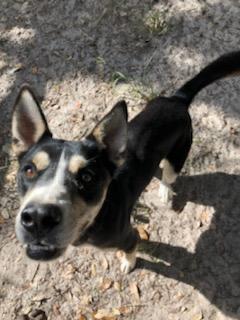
[(86, 177), (30, 171)]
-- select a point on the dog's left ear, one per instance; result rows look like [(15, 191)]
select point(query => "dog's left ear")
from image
[(28, 122), (111, 133)]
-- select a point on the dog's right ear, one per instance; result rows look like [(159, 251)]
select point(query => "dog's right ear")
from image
[(28, 122), (111, 133)]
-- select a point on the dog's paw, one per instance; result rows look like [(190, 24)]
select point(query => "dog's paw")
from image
[(127, 266), (127, 261)]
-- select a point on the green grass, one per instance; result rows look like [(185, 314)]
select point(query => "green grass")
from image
[(156, 22), (146, 93)]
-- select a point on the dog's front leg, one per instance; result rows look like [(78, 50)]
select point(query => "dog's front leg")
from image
[(127, 255), (168, 177)]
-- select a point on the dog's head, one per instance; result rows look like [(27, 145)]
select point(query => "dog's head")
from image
[(62, 184)]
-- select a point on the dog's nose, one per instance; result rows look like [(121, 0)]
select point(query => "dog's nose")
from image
[(40, 218)]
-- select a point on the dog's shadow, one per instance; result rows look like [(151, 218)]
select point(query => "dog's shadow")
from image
[(214, 268)]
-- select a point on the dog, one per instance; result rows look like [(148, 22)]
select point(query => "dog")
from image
[(77, 192)]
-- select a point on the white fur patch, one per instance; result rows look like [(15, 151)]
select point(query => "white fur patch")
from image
[(169, 175), (128, 261), (165, 193)]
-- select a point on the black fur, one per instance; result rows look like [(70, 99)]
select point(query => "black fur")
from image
[(162, 130)]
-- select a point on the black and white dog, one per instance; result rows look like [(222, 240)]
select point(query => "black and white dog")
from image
[(84, 191)]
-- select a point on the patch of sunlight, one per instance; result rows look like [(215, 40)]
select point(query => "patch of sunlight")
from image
[(19, 35)]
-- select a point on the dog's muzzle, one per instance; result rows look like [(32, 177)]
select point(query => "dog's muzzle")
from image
[(38, 221)]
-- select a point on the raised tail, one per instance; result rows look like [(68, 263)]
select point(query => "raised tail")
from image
[(224, 66)]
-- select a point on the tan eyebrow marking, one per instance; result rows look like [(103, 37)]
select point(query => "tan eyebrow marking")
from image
[(41, 160), (76, 162)]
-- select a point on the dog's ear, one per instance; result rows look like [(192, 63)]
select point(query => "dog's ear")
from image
[(111, 133), (28, 122)]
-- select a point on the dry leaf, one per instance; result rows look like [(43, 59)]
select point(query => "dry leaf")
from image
[(119, 254), (233, 131), (40, 297), (18, 67), (106, 284), (106, 314), (86, 300), (56, 308), (82, 317), (107, 318), (93, 270), (1, 220), (125, 310), (10, 177), (70, 270), (143, 273), (117, 286), (134, 291), (197, 316), (78, 104), (34, 70), (104, 263), (179, 296), (204, 217), (143, 234), (26, 309)]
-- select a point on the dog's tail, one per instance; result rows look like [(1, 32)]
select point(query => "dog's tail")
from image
[(226, 65)]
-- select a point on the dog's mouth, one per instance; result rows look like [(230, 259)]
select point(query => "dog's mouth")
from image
[(43, 252)]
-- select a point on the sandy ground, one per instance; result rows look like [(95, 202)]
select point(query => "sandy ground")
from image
[(81, 57)]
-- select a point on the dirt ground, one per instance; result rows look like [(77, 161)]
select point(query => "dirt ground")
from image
[(81, 57)]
